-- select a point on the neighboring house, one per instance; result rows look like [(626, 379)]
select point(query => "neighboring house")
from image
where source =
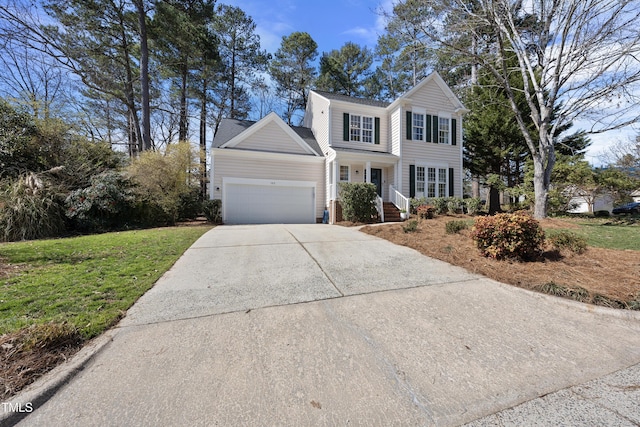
[(268, 172), (636, 196)]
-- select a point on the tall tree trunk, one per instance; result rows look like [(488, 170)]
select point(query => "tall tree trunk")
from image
[(203, 134), (183, 132), (144, 77)]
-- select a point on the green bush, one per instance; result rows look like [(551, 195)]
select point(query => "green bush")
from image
[(440, 204), (425, 211), (473, 205), (456, 226), (454, 204), (166, 187), (30, 208), (212, 210), (411, 226), (602, 214), (358, 201), (568, 240), (515, 235), (415, 203), (105, 204)]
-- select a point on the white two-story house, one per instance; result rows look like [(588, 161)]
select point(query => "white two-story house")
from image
[(269, 172)]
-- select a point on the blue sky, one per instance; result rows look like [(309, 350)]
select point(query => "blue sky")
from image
[(331, 23)]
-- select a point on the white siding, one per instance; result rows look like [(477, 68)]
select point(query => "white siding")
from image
[(316, 118), (396, 132), (337, 119), (432, 98), (233, 163), (271, 138)]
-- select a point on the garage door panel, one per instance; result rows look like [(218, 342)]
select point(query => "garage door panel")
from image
[(262, 204)]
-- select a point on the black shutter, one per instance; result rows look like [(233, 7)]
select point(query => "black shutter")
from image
[(377, 130), (412, 180), (454, 132), (408, 124), (427, 131), (345, 127), (435, 129), (451, 186)]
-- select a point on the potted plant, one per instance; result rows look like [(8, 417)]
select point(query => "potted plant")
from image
[(403, 214)]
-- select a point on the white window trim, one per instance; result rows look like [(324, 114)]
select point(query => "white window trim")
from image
[(348, 173), (442, 115), (426, 167), (423, 112), (362, 129)]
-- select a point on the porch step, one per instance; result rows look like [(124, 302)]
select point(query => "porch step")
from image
[(391, 213)]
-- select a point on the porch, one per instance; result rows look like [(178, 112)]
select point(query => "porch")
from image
[(380, 169)]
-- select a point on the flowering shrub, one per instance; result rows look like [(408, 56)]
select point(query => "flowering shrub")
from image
[(425, 211), (515, 235)]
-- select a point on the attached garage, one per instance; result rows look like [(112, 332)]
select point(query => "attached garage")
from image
[(261, 201)]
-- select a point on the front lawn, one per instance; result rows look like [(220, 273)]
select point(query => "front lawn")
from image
[(608, 273), (56, 294), (613, 233)]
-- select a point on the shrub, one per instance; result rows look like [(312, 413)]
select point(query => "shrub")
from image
[(165, 184), (106, 203), (30, 208), (440, 205), (411, 226), (515, 235), (358, 201), (567, 240), (453, 205), (212, 210), (415, 203), (453, 227), (473, 205), (602, 214), (425, 211)]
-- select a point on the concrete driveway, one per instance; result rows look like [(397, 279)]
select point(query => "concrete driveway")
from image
[(324, 325)]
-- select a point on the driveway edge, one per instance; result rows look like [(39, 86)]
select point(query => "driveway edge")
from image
[(37, 393)]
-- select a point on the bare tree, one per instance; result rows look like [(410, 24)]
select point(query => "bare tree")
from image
[(578, 59)]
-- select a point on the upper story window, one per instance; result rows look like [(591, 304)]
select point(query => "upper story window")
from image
[(443, 130), (425, 127), (418, 127), (359, 128)]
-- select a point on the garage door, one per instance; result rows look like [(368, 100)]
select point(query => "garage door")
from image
[(268, 202)]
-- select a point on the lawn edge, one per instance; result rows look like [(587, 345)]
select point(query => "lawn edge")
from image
[(41, 390)]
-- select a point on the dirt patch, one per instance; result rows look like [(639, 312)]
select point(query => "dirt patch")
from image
[(608, 273), (31, 352)]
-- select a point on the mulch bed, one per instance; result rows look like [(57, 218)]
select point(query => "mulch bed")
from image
[(611, 277)]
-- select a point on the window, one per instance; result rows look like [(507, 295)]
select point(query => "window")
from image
[(418, 127), (420, 179), (434, 184), (443, 130), (361, 128), (344, 173)]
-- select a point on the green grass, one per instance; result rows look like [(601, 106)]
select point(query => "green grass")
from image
[(87, 281), (605, 233)]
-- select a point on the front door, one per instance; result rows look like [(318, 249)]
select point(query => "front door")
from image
[(376, 179)]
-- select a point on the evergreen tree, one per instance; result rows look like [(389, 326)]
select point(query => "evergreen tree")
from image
[(293, 72)]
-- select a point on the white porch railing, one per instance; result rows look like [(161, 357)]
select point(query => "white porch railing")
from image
[(380, 208), (398, 199)]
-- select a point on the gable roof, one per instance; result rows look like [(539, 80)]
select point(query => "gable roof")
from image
[(232, 131), (406, 96), (443, 86)]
